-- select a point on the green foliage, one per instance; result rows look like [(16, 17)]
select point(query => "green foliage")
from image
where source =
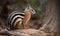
[(39, 6)]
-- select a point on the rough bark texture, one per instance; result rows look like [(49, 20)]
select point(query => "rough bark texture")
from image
[(51, 18), (58, 9)]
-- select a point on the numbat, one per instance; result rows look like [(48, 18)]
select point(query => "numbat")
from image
[(17, 19)]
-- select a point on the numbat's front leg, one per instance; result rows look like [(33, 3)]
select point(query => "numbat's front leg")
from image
[(26, 19)]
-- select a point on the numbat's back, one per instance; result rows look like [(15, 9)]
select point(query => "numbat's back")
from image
[(17, 19)]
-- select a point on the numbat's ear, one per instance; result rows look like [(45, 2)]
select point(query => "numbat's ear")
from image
[(29, 8)]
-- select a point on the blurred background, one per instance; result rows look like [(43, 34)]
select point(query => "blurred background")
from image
[(8, 6), (46, 17)]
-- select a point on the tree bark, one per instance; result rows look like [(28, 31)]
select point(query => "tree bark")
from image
[(51, 17), (58, 25)]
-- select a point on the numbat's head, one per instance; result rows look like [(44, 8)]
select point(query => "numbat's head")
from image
[(30, 9)]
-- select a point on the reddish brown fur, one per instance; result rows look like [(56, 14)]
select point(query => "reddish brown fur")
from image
[(27, 18)]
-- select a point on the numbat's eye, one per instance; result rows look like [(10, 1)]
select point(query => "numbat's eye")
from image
[(32, 10)]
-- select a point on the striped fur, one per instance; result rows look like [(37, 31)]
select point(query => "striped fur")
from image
[(14, 18)]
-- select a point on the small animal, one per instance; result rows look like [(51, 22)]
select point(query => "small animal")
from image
[(17, 18)]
